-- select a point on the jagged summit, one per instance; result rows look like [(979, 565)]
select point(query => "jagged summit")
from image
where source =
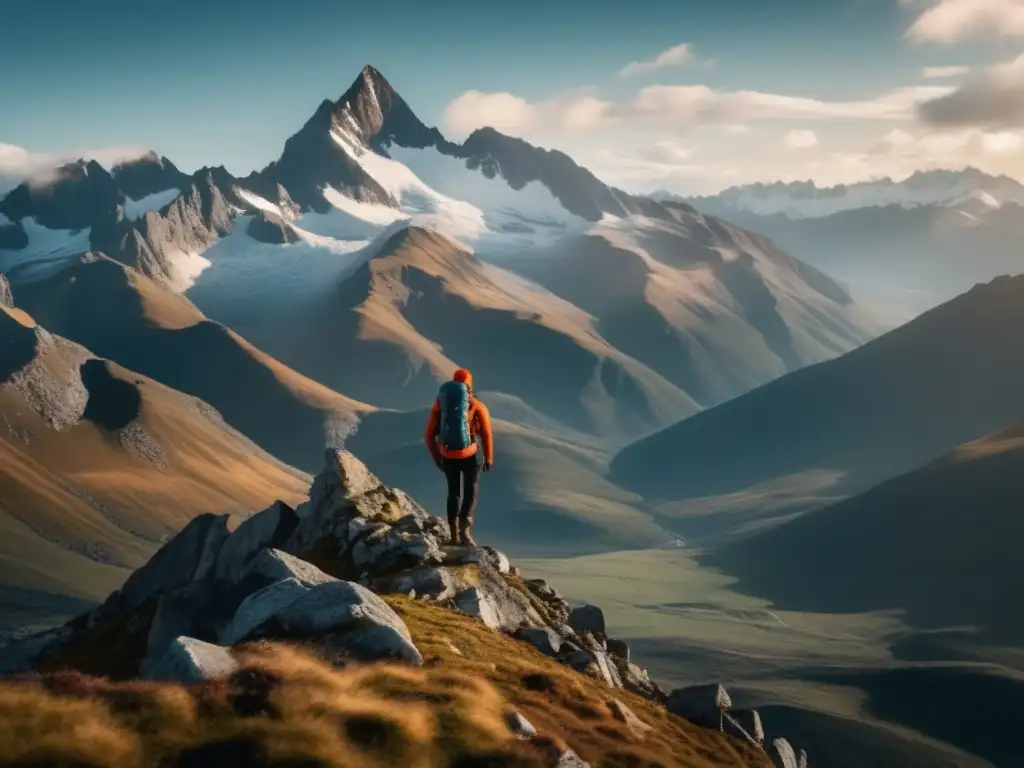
[(378, 115)]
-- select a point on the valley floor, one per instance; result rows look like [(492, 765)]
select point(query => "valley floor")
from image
[(858, 690)]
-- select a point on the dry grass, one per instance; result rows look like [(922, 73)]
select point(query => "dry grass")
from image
[(282, 708), (287, 706), (565, 704)]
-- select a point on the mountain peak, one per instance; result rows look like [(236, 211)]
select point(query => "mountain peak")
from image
[(369, 72)]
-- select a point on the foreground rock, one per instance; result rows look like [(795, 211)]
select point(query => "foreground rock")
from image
[(315, 574), (188, 660)]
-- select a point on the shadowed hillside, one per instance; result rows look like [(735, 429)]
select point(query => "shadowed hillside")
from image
[(547, 494), (934, 542), (123, 315), (98, 465), (952, 375)]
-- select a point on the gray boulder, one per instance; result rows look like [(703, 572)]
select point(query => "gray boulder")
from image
[(432, 582), (188, 660), (543, 590), (544, 639), (700, 704), (588, 618), (637, 680), (475, 602), (186, 611), (187, 557), (273, 565), (387, 550), (782, 754), (369, 627), (499, 560), (343, 490), (270, 528), (260, 607), (595, 663), (619, 649)]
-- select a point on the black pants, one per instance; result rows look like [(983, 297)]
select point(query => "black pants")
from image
[(463, 476)]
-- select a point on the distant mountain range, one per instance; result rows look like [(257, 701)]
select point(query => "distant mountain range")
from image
[(806, 200), (902, 247), (300, 258)]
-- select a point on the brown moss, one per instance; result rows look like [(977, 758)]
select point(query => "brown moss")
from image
[(567, 706), (286, 707), (283, 707)]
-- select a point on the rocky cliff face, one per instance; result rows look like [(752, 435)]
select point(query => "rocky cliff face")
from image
[(318, 574)]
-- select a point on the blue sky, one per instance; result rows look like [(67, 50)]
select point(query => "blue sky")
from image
[(226, 81)]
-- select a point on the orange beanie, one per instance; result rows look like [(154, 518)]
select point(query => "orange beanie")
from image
[(464, 376)]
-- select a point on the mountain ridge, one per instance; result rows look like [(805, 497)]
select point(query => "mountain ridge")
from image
[(827, 416)]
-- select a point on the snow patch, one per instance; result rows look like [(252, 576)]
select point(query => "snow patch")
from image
[(362, 219), (426, 207), (258, 202), (185, 269), (136, 209), (499, 218), (251, 285), (532, 213)]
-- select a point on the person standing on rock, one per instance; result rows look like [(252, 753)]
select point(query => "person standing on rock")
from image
[(458, 427)]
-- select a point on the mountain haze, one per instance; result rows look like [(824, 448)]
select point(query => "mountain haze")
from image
[(961, 517), (951, 375)]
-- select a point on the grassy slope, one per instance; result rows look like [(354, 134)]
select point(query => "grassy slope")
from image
[(88, 489), (449, 710), (120, 314)]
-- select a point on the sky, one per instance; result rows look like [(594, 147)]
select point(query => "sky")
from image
[(686, 95)]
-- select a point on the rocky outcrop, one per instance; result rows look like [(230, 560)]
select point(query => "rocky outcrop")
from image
[(191, 661), (315, 574), (6, 297)]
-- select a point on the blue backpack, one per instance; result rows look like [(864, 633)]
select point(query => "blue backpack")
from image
[(454, 398)]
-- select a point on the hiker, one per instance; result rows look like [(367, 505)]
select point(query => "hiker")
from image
[(459, 425)]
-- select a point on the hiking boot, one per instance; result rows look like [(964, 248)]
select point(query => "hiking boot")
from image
[(453, 530), (464, 538)]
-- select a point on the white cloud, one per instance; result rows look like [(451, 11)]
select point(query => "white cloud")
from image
[(936, 73), (18, 164), (669, 106), (514, 115), (801, 139), (666, 153), (736, 129), (950, 21), (675, 56), (994, 99)]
